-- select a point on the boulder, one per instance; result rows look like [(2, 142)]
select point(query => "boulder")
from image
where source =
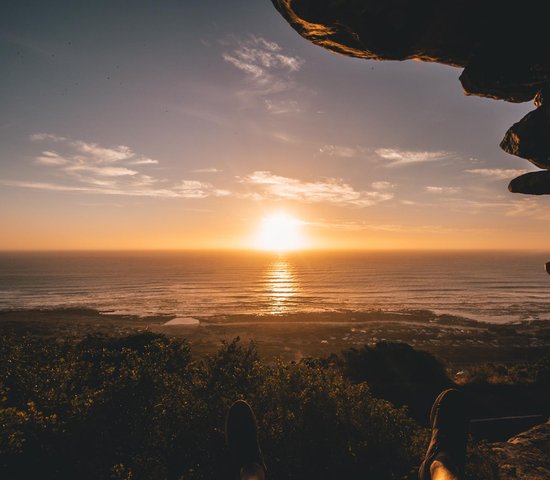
[(529, 138), (532, 183), (515, 78)]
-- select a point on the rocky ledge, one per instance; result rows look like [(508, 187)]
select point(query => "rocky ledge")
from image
[(502, 47), (525, 456)]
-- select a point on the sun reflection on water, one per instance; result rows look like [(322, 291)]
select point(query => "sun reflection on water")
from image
[(280, 284)]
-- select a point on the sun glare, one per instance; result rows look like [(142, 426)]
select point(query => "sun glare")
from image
[(280, 232)]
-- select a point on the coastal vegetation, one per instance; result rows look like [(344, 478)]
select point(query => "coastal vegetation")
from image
[(142, 406)]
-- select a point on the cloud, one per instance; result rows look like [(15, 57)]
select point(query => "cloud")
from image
[(50, 158), (330, 190), (497, 173), (382, 185), (89, 162), (468, 205), (281, 107), (102, 171), (407, 157), (284, 137), (528, 208), (193, 189), (144, 161), (394, 228), (444, 190), (207, 170), (43, 186), (92, 168), (92, 153), (264, 64), (196, 190), (102, 154), (342, 151), (38, 137), (398, 157)]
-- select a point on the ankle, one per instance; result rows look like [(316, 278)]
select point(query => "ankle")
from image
[(442, 471)]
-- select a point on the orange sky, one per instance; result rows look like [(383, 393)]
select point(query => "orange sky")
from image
[(188, 131)]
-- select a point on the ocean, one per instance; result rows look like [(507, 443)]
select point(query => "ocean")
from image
[(495, 287)]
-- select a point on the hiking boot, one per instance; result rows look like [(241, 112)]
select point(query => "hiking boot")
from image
[(449, 434), (241, 436)]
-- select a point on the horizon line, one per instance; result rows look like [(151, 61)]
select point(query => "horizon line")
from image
[(262, 251)]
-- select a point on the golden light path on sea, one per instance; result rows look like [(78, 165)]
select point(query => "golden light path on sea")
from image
[(280, 284)]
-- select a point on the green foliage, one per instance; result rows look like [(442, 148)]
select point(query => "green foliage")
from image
[(138, 407), (536, 373)]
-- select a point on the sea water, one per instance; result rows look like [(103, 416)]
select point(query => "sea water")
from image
[(496, 287)]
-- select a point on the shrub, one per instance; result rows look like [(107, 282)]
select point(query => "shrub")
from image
[(139, 407)]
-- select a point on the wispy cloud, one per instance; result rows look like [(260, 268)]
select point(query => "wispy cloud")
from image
[(528, 207), (266, 67), (497, 173), (343, 151), (382, 185), (89, 152), (443, 190), (330, 190), (87, 167), (207, 170), (284, 137), (187, 189), (44, 186), (397, 157), (281, 107), (394, 228), (37, 137), (407, 157), (50, 158), (144, 161)]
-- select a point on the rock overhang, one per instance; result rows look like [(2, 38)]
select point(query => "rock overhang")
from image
[(502, 47)]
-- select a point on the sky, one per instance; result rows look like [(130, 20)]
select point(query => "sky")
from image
[(182, 124)]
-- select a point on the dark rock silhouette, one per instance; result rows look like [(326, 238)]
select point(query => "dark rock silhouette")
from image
[(529, 138), (503, 51), (533, 183)]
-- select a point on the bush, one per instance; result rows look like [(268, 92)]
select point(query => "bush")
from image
[(138, 407), (536, 373)]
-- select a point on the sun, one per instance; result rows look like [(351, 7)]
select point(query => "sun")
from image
[(280, 232)]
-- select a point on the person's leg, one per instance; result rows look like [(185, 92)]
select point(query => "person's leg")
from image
[(439, 471), (446, 454), (241, 434)]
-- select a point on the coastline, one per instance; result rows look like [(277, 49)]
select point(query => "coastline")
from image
[(457, 340)]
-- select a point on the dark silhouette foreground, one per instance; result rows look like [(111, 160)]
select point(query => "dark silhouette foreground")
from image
[(444, 459), (142, 407)]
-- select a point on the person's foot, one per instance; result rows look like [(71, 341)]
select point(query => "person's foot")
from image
[(449, 435), (241, 436)]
